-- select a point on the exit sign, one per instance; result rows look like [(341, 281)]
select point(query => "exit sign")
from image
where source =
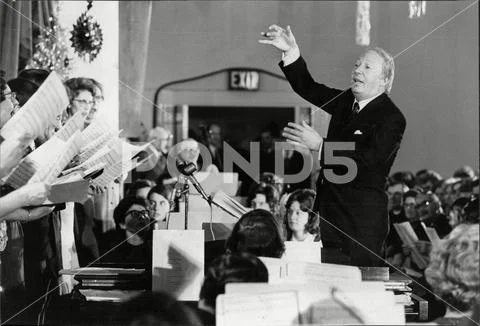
[(243, 80)]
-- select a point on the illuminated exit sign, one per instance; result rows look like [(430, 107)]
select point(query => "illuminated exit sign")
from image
[(243, 80)]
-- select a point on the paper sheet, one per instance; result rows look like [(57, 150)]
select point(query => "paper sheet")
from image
[(35, 161), (73, 124), (307, 271), (302, 251), (50, 172), (40, 111), (178, 263), (263, 309)]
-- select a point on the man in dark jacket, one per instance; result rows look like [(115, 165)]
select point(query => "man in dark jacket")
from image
[(363, 138)]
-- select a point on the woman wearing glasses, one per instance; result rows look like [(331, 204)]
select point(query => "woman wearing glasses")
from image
[(130, 243), (82, 93)]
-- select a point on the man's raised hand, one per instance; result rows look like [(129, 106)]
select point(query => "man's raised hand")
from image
[(303, 134), (280, 38)]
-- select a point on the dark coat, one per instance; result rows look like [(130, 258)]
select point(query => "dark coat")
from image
[(357, 209)]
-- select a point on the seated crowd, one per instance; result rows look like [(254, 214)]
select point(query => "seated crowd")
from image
[(36, 246)]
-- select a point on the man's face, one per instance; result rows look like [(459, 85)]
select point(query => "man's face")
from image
[(367, 76), (409, 207), (215, 136)]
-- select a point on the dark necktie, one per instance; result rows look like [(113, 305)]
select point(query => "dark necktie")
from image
[(355, 110)]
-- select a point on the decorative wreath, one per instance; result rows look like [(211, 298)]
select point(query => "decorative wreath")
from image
[(87, 36)]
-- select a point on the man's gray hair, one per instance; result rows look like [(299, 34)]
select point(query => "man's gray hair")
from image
[(388, 67)]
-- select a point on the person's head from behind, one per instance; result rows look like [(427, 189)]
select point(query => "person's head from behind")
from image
[(8, 101), (405, 177), (82, 92), (410, 204), (465, 172), (158, 198), (428, 180), (300, 218), (133, 216), (97, 99), (453, 271), (257, 233), (27, 83), (140, 188), (159, 308), (230, 268), (161, 139), (372, 74)]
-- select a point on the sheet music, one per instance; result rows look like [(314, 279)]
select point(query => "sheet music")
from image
[(178, 263), (261, 309), (40, 111), (90, 149), (73, 124), (409, 237), (340, 307), (228, 203), (303, 251), (33, 162), (96, 129), (432, 235), (317, 286), (307, 271), (49, 173)]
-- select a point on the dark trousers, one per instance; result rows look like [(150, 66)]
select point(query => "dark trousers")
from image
[(355, 220)]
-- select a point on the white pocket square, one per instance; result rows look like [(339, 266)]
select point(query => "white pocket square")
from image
[(358, 132)]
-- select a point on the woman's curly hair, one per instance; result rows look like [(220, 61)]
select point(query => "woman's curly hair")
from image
[(454, 267)]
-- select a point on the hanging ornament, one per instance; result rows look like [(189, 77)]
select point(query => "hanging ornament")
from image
[(362, 32), (87, 37), (52, 50), (416, 9)]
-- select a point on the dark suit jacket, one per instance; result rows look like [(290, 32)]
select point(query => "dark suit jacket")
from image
[(357, 208), (377, 130)]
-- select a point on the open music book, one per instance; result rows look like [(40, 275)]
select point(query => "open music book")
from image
[(46, 162), (409, 237), (228, 204), (331, 306)]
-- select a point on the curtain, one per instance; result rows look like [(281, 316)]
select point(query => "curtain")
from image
[(135, 20), (20, 23)]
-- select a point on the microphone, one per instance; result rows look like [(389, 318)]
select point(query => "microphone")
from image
[(188, 169)]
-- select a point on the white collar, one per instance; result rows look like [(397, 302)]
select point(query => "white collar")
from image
[(363, 103)]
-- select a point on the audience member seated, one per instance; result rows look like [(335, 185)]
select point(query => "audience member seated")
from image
[(428, 180), (430, 212), (257, 233), (471, 211), (161, 140), (140, 188), (457, 212), (465, 172), (301, 222), (158, 308), (158, 198), (395, 192), (228, 268), (405, 177), (264, 196), (130, 242), (454, 272)]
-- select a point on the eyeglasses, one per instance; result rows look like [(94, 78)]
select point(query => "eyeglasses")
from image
[(98, 99), (143, 215), (11, 95), (85, 102)]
